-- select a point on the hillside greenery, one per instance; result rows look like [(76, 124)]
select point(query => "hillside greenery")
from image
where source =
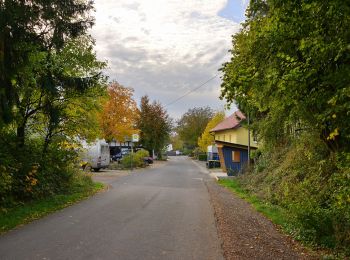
[(290, 70)]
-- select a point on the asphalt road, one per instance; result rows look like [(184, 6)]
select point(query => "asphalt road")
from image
[(158, 213)]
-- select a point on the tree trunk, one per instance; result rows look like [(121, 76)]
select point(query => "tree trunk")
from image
[(47, 140), (46, 144), (21, 136), (6, 94)]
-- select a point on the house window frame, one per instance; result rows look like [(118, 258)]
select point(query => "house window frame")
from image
[(236, 156)]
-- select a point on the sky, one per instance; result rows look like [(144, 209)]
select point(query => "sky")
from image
[(167, 48)]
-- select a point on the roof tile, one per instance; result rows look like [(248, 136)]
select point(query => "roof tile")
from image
[(230, 122)]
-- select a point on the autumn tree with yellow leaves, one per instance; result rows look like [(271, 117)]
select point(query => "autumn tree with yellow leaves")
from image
[(119, 114), (206, 138)]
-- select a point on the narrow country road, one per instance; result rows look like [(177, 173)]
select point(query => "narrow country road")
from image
[(158, 213)]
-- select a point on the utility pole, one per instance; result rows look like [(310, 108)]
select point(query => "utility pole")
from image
[(248, 119)]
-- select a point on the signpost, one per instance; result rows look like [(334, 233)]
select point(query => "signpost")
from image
[(134, 139)]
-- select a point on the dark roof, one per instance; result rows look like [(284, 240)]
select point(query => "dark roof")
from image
[(230, 122)]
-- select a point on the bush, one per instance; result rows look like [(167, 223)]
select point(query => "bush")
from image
[(28, 173), (312, 184), (135, 159), (202, 157)]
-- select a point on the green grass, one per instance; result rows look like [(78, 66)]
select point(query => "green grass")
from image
[(276, 214), (27, 212)]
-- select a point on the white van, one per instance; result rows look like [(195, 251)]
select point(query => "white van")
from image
[(96, 154)]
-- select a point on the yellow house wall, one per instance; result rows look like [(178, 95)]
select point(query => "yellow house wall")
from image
[(236, 136)]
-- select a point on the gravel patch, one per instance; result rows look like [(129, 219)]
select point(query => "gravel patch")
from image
[(247, 234)]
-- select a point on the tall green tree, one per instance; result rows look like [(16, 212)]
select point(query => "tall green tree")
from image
[(154, 124), (192, 124), (176, 141), (290, 69), (50, 84), (32, 35)]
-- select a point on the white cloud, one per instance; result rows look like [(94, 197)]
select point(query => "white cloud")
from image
[(165, 48)]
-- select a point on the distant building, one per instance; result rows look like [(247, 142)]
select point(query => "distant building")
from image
[(231, 139)]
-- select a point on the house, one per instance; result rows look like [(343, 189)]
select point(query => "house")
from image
[(231, 139)]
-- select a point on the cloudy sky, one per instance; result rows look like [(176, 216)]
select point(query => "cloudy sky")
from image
[(166, 48)]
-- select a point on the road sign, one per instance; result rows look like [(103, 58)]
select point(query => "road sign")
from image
[(135, 138)]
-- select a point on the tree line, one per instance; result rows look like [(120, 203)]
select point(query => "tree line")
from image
[(120, 118), (192, 130)]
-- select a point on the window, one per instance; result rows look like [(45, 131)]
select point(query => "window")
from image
[(236, 156)]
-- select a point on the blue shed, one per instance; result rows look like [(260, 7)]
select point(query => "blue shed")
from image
[(234, 158)]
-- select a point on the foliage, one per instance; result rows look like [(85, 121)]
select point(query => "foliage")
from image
[(135, 159), (31, 37), (195, 152), (154, 125), (290, 69), (81, 188), (202, 157), (50, 89), (177, 143), (287, 176), (119, 115), (192, 124), (206, 138), (277, 214), (27, 174)]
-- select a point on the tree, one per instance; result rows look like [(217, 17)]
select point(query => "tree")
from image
[(32, 35), (206, 138), (50, 85), (68, 108), (290, 69), (154, 125), (176, 141), (119, 115), (192, 124)]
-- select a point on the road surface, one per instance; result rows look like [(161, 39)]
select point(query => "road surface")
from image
[(157, 213)]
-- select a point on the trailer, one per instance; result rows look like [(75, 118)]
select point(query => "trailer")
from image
[(96, 155)]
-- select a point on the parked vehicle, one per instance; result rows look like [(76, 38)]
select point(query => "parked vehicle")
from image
[(148, 160), (96, 155), (125, 152), (117, 157)]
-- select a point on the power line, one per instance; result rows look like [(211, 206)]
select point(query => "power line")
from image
[(189, 92)]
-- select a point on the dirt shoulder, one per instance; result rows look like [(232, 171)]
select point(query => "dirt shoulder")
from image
[(247, 234)]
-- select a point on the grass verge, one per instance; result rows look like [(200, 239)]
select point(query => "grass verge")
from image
[(276, 214), (25, 213)]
